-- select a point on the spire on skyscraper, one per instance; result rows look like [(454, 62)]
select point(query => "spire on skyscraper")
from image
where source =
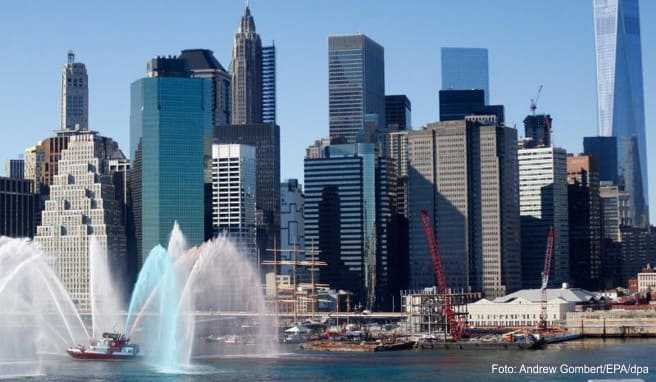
[(247, 24)]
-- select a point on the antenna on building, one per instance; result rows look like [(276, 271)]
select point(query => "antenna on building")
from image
[(71, 57), (534, 101)]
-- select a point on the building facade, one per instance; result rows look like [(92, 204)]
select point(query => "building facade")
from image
[(537, 130), (82, 209), (398, 113), (620, 96), (604, 151), (246, 69), (292, 235), (455, 105), (17, 207), (15, 168), (170, 141), (74, 95), (269, 84), (464, 174), (233, 195), (543, 203), (356, 86), (466, 69)]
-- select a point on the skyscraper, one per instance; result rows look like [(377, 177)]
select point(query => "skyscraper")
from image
[(246, 68), (537, 129), (356, 86), (620, 95), (81, 208), (170, 140), (543, 204), (74, 97), (465, 69), (15, 168), (292, 235), (233, 195), (585, 225), (604, 151), (464, 173), (269, 84), (398, 112), (17, 207), (455, 105)]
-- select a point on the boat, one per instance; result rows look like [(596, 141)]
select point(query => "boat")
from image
[(112, 346)]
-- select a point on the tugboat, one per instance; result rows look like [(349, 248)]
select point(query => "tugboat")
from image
[(111, 346)]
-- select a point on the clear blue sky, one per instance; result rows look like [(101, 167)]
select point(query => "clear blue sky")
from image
[(530, 43)]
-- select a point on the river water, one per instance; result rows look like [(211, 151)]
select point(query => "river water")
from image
[(439, 365)]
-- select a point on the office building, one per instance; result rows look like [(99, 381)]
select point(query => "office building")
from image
[(356, 87), (170, 141), (537, 130), (604, 151), (455, 105), (74, 95), (620, 96), (292, 235), (585, 222), (466, 69), (265, 137), (246, 68), (543, 203), (82, 209), (201, 63), (347, 219), (269, 84), (398, 115), (15, 168), (17, 207), (233, 195), (464, 173), (615, 210)]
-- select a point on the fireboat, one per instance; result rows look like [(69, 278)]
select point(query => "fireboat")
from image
[(112, 346)]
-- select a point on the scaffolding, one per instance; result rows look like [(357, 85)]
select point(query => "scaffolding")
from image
[(424, 309)]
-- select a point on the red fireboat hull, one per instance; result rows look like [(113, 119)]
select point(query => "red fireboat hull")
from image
[(90, 355)]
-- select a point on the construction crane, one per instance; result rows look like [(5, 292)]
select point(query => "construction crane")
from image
[(534, 101), (545, 278), (456, 327)]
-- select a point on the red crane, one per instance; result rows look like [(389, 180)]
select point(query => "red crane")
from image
[(456, 326), (545, 277)]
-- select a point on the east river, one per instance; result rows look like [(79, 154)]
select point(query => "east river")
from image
[(573, 361)]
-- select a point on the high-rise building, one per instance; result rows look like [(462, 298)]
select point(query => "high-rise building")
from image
[(15, 168), (82, 208), (265, 137), (537, 130), (356, 86), (620, 96), (465, 69), (233, 195), (246, 68), (292, 235), (585, 222), (34, 158), (604, 151), (343, 215), (398, 112), (396, 148), (464, 174), (455, 105), (17, 207), (615, 211), (543, 204), (201, 63), (269, 84), (170, 141), (74, 96)]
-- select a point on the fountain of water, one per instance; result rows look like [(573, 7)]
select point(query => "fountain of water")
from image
[(104, 292), (37, 315), (177, 285)]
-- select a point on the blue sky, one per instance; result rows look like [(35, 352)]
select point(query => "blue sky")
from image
[(531, 43)]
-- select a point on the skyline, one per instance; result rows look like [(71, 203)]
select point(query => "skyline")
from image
[(32, 103)]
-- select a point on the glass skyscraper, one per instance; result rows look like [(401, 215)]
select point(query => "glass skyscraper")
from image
[(170, 137), (356, 85), (269, 84), (620, 95), (465, 69)]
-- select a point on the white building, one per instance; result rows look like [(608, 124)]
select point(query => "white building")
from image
[(292, 239), (647, 279), (82, 206), (543, 203), (233, 194), (523, 308)]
